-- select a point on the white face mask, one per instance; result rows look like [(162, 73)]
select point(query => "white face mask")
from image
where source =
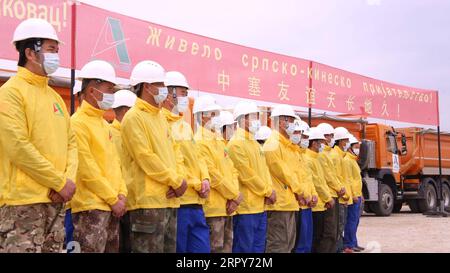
[(107, 102), (295, 138), (254, 126), (291, 128), (356, 151), (50, 63), (162, 95), (347, 146), (182, 104), (214, 123), (304, 143), (332, 142), (322, 147)]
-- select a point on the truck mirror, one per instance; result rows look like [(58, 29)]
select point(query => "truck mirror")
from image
[(404, 148)]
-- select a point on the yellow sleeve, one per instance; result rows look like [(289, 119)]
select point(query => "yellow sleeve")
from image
[(347, 176), (280, 169), (248, 176), (218, 181), (181, 167), (330, 172), (72, 154), (305, 181), (89, 171), (320, 185), (118, 173), (21, 152), (140, 149), (357, 180), (203, 169)]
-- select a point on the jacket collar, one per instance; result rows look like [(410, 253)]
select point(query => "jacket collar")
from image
[(116, 124), (171, 117), (242, 134), (146, 107), (312, 153), (339, 151), (32, 78), (351, 156), (91, 110)]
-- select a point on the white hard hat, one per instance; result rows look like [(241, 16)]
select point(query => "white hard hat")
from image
[(226, 118), (341, 133), (77, 87), (98, 69), (304, 127), (315, 133), (283, 110), (124, 98), (34, 28), (353, 139), (297, 125), (147, 71), (175, 78), (263, 133), (205, 103), (244, 108), (326, 128)]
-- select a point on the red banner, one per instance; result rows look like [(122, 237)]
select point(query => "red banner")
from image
[(233, 70)]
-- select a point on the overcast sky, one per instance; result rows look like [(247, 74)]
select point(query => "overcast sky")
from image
[(401, 41)]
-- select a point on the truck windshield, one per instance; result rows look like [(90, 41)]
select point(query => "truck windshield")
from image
[(391, 144)]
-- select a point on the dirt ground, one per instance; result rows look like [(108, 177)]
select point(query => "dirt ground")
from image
[(404, 232)]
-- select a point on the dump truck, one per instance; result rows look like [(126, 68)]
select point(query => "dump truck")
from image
[(398, 165)]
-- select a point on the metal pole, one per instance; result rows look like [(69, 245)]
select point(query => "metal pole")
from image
[(73, 57), (309, 96)]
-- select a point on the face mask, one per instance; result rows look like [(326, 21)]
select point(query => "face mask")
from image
[(254, 126), (332, 142), (322, 147), (291, 128), (347, 146), (295, 139), (162, 95), (304, 143), (107, 102), (50, 63), (356, 151), (182, 104)]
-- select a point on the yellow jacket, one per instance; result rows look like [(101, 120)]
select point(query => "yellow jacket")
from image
[(38, 149), (194, 166), (305, 175), (353, 173), (283, 163), (337, 157), (224, 183), (117, 140), (333, 181), (151, 157), (255, 182), (323, 191), (99, 180)]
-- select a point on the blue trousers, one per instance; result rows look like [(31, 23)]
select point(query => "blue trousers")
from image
[(249, 233), (305, 231), (353, 213), (192, 231), (68, 225)]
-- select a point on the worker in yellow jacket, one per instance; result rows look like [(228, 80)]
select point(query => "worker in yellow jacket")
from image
[(192, 230), (255, 183), (224, 197), (310, 197), (329, 242), (38, 153), (326, 201), (353, 211), (101, 196), (342, 144), (282, 161), (123, 101), (156, 179)]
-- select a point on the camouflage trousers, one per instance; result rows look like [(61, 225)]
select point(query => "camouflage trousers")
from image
[(32, 228), (153, 230), (281, 231), (220, 233), (341, 226), (96, 231)]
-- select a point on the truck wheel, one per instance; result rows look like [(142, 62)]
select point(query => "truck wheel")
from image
[(446, 196), (414, 206), (429, 203), (397, 207), (385, 205)]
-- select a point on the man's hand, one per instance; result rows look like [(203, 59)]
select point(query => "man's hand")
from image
[(55, 197), (314, 201), (119, 208), (355, 199), (272, 199), (330, 204), (232, 205), (204, 192), (182, 189), (68, 191), (171, 193), (341, 192)]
